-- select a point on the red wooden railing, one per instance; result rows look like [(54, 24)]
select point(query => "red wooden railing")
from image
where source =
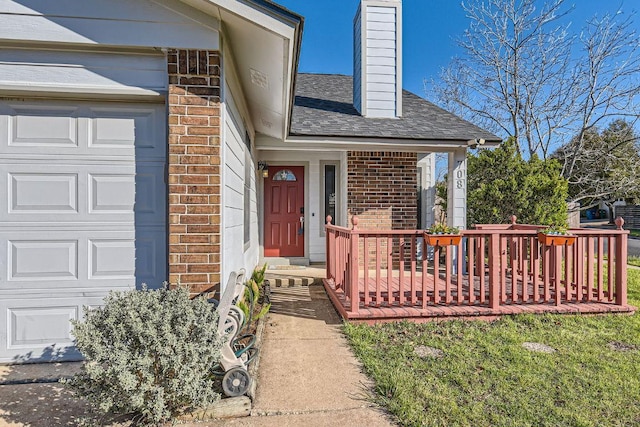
[(493, 266)]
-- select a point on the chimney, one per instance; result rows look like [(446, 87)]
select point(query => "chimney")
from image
[(377, 58)]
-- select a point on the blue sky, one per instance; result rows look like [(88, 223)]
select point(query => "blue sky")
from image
[(429, 31)]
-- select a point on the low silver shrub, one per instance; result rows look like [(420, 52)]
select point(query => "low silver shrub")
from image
[(149, 354)]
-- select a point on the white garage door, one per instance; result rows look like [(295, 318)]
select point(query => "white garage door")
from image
[(82, 212)]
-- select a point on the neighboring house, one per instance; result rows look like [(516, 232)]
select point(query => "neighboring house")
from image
[(134, 135)]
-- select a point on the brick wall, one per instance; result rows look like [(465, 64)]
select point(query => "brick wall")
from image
[(194, 168), (382, 189)]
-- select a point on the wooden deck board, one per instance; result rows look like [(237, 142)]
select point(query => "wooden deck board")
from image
[(382, 310)]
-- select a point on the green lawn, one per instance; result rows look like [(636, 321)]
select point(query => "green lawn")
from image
[(486, 378), (634, 260)]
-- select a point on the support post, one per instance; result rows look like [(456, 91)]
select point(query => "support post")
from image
[(494, 270), (621, 264), (353, 270), (457, 195), (457, 189)]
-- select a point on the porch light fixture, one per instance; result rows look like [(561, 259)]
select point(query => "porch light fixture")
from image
[(264, 167), (475, 143)]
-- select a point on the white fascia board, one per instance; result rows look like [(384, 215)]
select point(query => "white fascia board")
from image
[(359, 144), (259, 17), (83, 92)]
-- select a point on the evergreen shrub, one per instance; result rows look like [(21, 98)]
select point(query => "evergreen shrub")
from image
[(148, 353)]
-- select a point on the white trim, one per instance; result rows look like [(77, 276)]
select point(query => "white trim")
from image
[(322, 190), (261, 201), (364, 111), (223, 142), (230, 67), (81, 92), (399, 69), (250, 13), (297, 143)]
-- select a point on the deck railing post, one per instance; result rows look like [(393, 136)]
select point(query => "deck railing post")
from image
[(621, 265), (354, 261), (494, 269), (329, 253)]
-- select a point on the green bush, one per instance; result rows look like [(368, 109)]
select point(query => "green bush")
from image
[(148, 353), (501, 184)]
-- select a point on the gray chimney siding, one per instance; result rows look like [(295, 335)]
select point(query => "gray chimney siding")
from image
[(378, 59)]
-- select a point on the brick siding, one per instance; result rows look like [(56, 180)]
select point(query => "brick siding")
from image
[(382, 189), (194, 169)]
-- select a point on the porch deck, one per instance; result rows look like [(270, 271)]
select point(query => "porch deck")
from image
[(387, 310), (515, 273)]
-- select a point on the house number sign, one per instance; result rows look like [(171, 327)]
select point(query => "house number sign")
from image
[(459, 176)]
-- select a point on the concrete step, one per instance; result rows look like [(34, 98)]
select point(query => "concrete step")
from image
[(286, 281)]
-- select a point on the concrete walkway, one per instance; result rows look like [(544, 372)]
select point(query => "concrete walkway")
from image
[(308, 374)]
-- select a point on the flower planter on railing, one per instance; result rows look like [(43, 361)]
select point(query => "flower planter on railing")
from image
[(443, 239), (556, 239)]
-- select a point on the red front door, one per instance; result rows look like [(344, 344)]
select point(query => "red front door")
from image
[(284, 212)]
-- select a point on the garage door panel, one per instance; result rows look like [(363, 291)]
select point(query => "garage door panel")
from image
[(39, 260), (42, 193), (39, 330), (151, 203), (29, 326), (112, 259), (112, 193), (66, 129), (137, 130), (124, 128), (94, 193), (151, 262), (38, 126)]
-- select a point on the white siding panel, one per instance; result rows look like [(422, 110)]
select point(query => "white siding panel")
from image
[(381, 69), (385, 16), (381, 87), (381, 105), (108, 22), (380, 35), (384, 44), (375, 79), (381, 112), (382, 96), (388, 27), (379, 52), (381, 10), (160, 11), (236, 254), (55, 69), (373, 61)]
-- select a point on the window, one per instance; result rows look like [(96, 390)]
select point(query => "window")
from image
[(330, 194), (421, 222), (284, 175), (248, 169)]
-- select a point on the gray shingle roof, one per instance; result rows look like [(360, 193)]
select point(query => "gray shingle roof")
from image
[(324, 107)]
